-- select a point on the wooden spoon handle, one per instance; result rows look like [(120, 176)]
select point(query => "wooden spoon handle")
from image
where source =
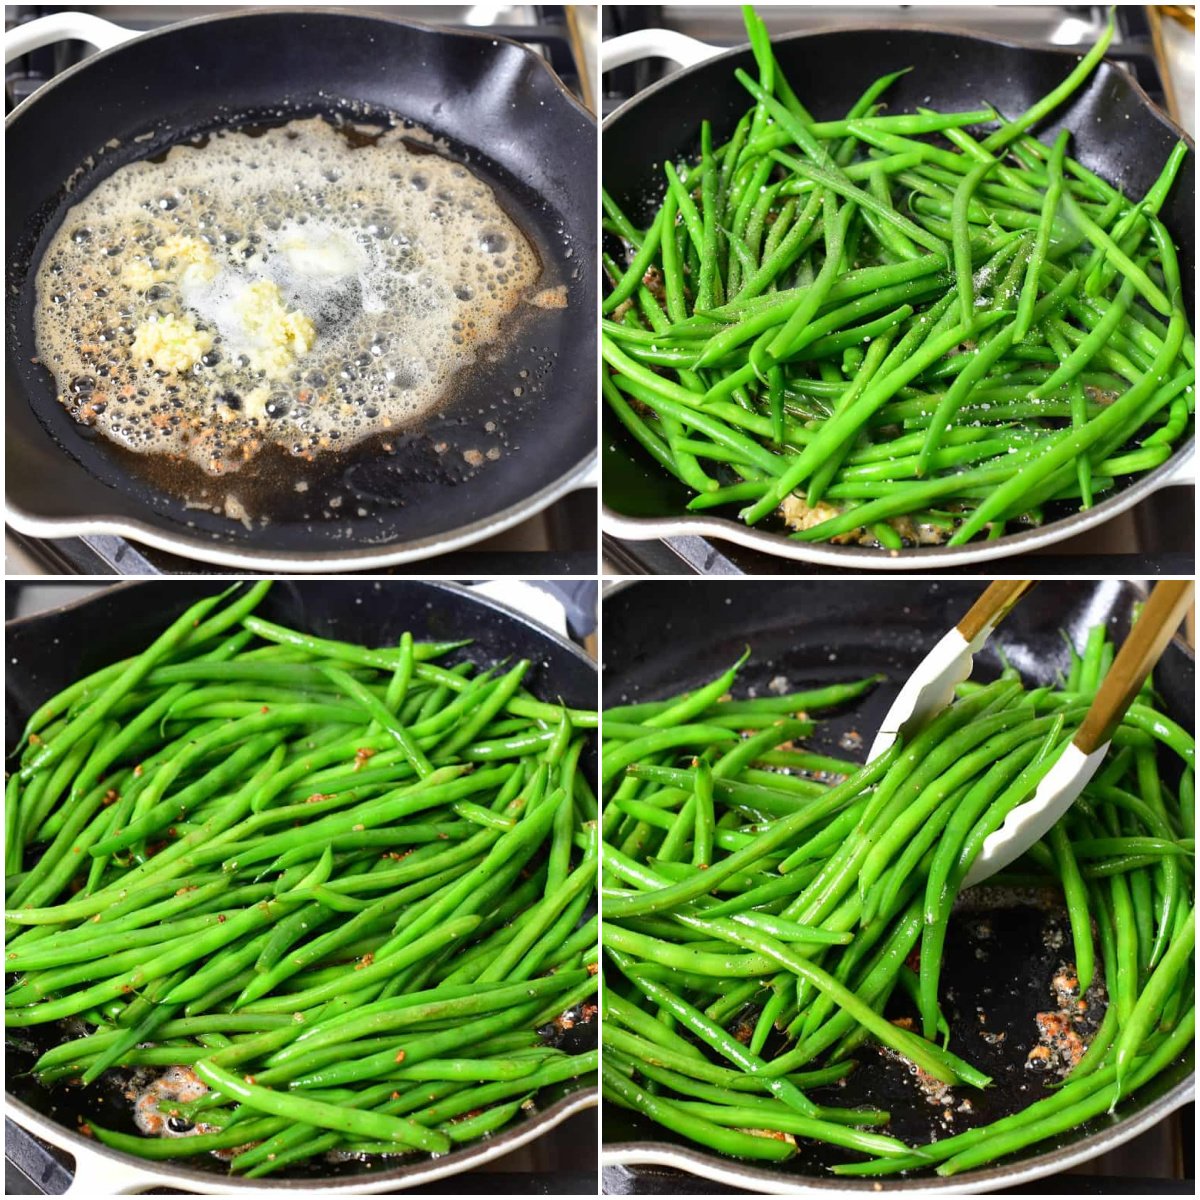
[(993, 606), (1148, 638)]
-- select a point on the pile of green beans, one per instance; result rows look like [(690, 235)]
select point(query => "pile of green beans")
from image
[(763, 906), (892, 330), (345, 886)]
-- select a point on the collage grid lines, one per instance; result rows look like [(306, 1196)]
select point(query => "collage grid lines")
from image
[(409, 790)]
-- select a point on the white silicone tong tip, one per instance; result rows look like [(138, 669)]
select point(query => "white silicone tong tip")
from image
[(929, 689), (1031, 821)]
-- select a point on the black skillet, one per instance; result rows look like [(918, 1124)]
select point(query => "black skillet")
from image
[(660, 639), (48, 651), (501, 111), (1116, 132)]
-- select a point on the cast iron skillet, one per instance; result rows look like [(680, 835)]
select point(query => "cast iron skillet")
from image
[(659, 641), (47, 651), (501, 110), (1116, 132)]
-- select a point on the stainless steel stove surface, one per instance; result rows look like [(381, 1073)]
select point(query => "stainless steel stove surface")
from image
[(560, 540), (1156, 537)]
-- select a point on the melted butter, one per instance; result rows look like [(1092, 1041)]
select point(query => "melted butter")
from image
[(288, 288)]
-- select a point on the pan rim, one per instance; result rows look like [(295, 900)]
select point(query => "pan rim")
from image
[(970, 1182), (444, 585), (922, 28), (413, 1174), (782, 546), (429, 1170), (631, 528), (324, 561), (1140, 586)]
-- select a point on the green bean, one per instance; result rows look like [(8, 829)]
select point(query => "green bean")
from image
[(1070, 1118), (1067, 446), (200, 1143), (1137, 1025), (1029, 290), (621, 222), (702, 837), (1010, 130), (754, 1117), (1077, 906), (618, 758), (697, 702), (102, 705), (962, 238), (1099, 274), (777, 836), (1133, 273), (729, 1047), (728, 1141), (328, 1116), (1024, 1127), (685, 958), (865, 200)]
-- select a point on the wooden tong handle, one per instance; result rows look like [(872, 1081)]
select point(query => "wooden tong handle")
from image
[(1148, 638), (993, 606)]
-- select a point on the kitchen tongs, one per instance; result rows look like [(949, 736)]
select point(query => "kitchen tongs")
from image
[(931, 686)]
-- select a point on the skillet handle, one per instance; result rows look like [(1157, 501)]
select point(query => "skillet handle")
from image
[(654, 43), (64, 27)]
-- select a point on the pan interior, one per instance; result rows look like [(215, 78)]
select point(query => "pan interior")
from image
[(49, 651), (527, 400), (1004, 947)]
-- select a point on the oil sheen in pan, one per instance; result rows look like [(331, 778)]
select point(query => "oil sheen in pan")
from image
[(1010, 997), (266, 297)]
